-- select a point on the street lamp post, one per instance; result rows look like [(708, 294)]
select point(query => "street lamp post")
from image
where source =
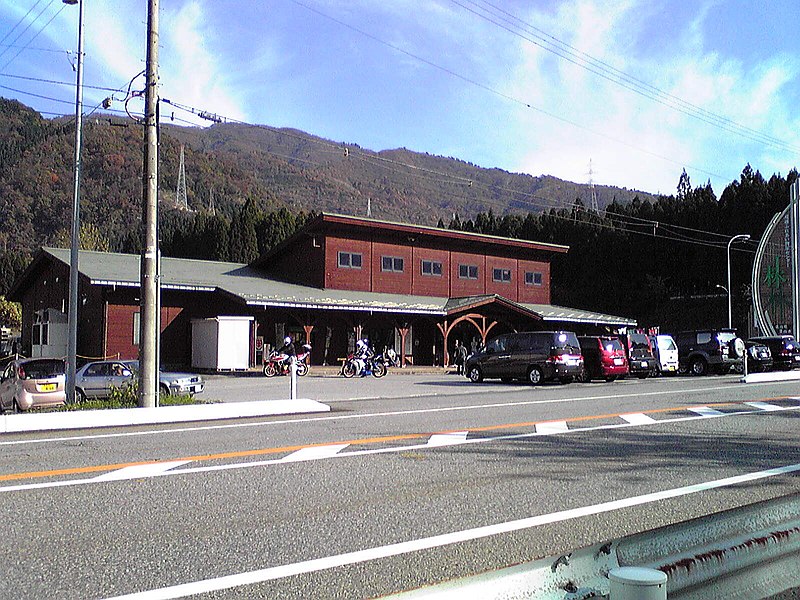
[(740, 237), (72, 317)]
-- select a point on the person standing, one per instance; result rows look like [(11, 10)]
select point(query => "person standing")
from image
[(460, 357)]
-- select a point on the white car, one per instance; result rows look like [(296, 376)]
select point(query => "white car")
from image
[(666, 351)]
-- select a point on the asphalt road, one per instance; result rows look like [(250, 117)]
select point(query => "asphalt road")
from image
[(422, 479)]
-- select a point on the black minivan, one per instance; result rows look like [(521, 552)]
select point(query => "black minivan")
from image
[(537, 356)]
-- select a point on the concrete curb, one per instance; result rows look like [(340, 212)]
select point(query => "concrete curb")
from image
[(771, 376), (82, 419)]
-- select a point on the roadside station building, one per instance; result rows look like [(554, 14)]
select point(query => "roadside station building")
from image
[(412, 288)]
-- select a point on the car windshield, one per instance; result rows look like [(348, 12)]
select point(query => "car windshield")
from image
[(568, 342), (639, 342), (611, 345), (666, 344), (42, 369)]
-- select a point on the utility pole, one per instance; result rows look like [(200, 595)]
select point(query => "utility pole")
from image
[(74, 272), (148, 319)]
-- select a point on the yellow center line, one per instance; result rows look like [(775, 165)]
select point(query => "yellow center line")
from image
[(361, 441)]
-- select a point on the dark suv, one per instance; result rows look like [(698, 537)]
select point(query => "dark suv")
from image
[(709, 350), (537, 356), (784, 348)]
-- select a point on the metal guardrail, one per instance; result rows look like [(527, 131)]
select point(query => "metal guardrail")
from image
[(748, 552)]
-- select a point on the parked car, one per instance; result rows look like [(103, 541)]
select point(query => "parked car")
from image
[(641, 361), (785, 350), (97, 379), (701, 351), (603, 357), (173, 383), (759, 357), (537, 356), (666, 353), (28, 383)]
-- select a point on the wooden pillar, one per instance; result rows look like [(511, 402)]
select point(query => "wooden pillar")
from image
[(308, 329), (403, 333)]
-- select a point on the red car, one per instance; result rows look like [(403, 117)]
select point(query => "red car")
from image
[(603, 357)]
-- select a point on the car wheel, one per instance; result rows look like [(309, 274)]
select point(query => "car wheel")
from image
[(80, 395), (611, 378), (698, 366), (475, 375), (164, 390), (567, 379), (535, 375), (15, 407)]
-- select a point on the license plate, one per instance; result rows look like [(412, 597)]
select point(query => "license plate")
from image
[(797, 357), (644, 364), (572, 362), (618, 361), (47, 387)]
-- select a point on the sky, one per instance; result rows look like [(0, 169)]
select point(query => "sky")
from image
[(620, 92)]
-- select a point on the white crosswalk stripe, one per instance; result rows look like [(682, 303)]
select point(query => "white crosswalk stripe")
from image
[(447, 439), (552, 427), (705, 411), (314, 453), (638, 419), (140, 471), (764, 406)]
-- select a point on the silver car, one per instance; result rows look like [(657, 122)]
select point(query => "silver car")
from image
[(96, 379), (174, 383), (27, 383)]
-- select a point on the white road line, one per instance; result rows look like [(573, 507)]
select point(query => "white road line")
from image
[(705, 411), (437, 541), (314, 453), (140, 471), (448, 439), (638, 419), (551, 427), (386, 450), (393, 413), (764, 406)]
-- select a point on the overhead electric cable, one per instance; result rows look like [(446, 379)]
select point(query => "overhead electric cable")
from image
[(58, 12), (614, 75)]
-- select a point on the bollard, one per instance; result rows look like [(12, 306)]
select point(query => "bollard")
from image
[(293, 377), (637, 583)]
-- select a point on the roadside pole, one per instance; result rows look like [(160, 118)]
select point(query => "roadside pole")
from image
[(148, 322), (293, 377)]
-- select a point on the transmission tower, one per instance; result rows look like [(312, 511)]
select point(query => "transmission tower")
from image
[(180, 194), (593, 201), (211, 207)]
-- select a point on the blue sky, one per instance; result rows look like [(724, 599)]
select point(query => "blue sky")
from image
[(708, 86)]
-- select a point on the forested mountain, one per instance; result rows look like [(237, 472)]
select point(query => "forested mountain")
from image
[(249, 187)]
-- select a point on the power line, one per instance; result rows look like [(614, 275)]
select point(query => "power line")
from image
[(602, 69), (58, 12), (628, 221)]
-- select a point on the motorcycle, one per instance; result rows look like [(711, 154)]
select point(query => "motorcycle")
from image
[(373, 365), (278, 364)]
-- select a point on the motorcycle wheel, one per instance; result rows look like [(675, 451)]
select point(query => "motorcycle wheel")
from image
[(269, 370), (348, 369), (302, 369), (378, 369)]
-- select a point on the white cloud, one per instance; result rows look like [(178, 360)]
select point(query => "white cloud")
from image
[(634, 141)]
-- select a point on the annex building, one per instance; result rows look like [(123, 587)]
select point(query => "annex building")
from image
[(412, 288)]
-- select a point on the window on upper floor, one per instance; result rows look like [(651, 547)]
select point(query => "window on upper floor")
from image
[(350, 260), (502, 275), (392, 264), (467, 271), (533, 278), (432, 267)]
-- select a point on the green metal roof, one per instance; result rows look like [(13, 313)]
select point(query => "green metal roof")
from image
[(251, 287)]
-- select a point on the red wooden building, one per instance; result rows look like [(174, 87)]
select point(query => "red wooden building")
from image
[(413, 288)]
